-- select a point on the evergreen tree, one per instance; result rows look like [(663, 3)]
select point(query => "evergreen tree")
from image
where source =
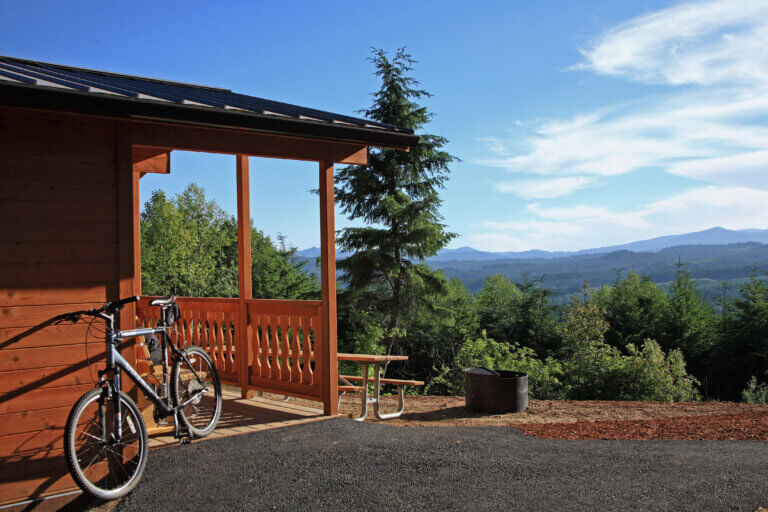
[(396, 195), (518, 313), (634, 308), (742, 350), (690, 324)]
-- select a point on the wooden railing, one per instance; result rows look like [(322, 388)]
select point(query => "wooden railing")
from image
[(285, 342), (282, 341)]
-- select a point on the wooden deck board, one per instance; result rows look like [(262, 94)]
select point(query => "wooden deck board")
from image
[(243, 416)]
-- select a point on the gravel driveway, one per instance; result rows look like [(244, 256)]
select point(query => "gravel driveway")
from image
[(344, 465)]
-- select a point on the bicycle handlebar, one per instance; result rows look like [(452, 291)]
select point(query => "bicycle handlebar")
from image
[(108, 307), (118, 304)]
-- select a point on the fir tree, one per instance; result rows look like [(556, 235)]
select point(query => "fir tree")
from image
[(396, 195)]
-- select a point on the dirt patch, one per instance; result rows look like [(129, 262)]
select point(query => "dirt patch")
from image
[(569, 419), (590, 419), (439, 410), (746, 426)]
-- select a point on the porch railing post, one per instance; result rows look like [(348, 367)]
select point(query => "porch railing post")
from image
[(242, 346), (328, 364)]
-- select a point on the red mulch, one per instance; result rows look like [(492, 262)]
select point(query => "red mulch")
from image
[(719, 427)]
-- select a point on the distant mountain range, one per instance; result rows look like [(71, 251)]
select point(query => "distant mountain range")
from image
[(712, 256), (713, 236)]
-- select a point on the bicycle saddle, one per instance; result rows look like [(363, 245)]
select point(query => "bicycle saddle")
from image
[(164, 301)]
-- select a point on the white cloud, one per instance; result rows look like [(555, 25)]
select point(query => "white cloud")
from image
[(546, 188), (583, 227), (735, 170), (695, 43), (714, 53), (659, 133)]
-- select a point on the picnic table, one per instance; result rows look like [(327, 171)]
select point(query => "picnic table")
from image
[(361, 383)]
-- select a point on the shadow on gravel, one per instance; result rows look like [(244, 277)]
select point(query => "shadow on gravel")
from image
[(335, 464)]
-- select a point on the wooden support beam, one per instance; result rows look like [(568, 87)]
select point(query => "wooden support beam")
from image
[(328, 361), (243, 142), (129, 243), (243, 346), (151, 160)]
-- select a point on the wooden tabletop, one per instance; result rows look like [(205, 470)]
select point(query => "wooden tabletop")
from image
[(370, 358)]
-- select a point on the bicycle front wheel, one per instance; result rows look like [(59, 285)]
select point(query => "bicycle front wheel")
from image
[(188, 378), (102, 466)]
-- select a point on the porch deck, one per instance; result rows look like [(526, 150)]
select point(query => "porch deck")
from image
[(243, 416)]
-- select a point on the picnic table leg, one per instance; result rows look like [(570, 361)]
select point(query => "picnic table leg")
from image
[(377, 402), (365, 402)]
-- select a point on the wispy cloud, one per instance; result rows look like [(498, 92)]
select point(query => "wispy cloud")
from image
[(583, 226), (705, 43), (710, 126)]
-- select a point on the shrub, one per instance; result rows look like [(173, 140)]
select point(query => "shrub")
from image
[(594, 370), (543, 375), (649, 374), (755, 393)]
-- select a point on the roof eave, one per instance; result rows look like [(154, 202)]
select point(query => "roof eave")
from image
[(107, 105)]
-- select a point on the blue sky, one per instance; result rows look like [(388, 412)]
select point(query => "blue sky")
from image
[(579, 124)]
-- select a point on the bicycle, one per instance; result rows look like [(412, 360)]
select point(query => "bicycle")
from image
[(105, 438)]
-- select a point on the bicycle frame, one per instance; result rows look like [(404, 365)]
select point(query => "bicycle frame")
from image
[(115, 363)]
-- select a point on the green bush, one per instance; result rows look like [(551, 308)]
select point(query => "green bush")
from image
[(543, 375), (649, 374), (595, 370), (755, 393)]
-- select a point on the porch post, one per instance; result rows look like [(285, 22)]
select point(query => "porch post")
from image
[(329, 362), (129, 243), (242, 346)]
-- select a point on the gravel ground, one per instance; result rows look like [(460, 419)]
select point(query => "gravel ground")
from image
[(342, 464)]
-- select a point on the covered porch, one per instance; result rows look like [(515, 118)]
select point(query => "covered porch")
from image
[(287, 346)]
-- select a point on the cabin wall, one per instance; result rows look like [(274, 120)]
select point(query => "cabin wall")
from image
[(59, 252)]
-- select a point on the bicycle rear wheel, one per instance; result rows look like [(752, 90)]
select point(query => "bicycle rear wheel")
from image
[(187, 379), (103, 467)]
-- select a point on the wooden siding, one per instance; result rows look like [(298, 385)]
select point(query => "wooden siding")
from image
[(59, 230)]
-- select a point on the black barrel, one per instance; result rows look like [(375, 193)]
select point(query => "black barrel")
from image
[(496, 391)]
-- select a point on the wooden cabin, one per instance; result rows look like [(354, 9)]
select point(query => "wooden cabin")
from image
[(74, 145)]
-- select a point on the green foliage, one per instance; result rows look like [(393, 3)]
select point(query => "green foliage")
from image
[(436, 334), (634, 309), (649, 374), (755, 393), (518, 312), (690, 325), (277, 273), (543, 376), (397, 196), (186, 246), (189, 248), (595, 370), (742, 348)]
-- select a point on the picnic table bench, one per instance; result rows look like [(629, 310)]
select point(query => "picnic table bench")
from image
[(353, 383)]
